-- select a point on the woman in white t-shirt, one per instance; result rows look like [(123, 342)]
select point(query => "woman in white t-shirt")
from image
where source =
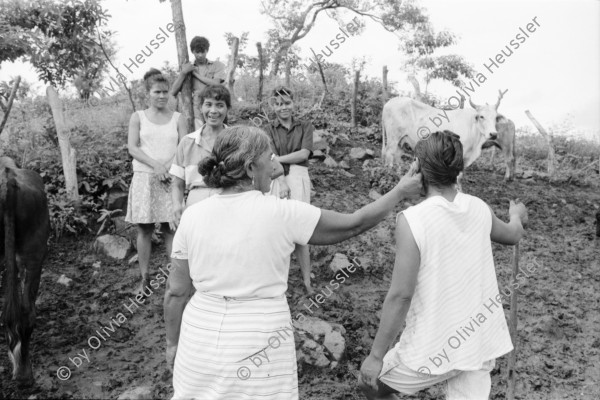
[(152, 142), (234, 340), (444, 287)]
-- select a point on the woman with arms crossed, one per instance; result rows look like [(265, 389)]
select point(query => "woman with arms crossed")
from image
[(235, 249), (444, 285)]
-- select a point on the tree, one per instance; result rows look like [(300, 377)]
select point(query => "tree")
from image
[(57, 38), (420, 46), (294, 19)]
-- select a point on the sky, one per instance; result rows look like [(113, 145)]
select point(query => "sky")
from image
[(554, 73)]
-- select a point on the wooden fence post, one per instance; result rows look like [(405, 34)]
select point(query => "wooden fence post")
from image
[(385, 84), (354, 97), (232, 64), (260, 72), (548, 137), (67, 152)]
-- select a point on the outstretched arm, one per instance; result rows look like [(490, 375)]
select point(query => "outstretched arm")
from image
[(334, 227), (397, 301)]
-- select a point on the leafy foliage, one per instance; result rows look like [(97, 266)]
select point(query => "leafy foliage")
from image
[(58, 38)]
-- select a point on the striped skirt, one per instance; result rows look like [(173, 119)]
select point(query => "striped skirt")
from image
[(234, 349)]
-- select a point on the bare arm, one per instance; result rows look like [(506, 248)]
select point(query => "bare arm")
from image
[(277, 169), (334, 227), (177, 189), (296, 157), (133, 145), (185, 70), (205, 80), (179, 287), (397, 301), (509, 233), (182, 127)]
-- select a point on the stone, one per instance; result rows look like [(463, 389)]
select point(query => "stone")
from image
[(63, 280), (344, 165), (330, 162), (319, 141), (117, 200), (370, 153), (347, 174), (357, 153), (133, 259), (319, 155), (313, 331), (339, 263), (138, 393), (125, 229), (113, 246), (527, 175), (374, 194)]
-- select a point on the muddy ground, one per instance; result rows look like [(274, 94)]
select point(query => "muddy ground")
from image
[(559, 318)]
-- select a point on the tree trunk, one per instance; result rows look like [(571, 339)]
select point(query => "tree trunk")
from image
[(287, 73), (354, 97), (233, 59), (187, 108), (260, 72), (417, 94), (67, 152), (282, 52), (11, 98), (320, 70), (549, 140), (385, 84)]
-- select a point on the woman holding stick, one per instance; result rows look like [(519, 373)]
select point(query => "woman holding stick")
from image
[(444, 287)]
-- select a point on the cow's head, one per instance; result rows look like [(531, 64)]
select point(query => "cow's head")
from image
[(485, 118)]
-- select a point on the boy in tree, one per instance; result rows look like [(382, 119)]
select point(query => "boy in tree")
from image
[(204, 73)]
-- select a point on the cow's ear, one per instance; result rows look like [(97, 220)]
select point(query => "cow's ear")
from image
[(501, 119)]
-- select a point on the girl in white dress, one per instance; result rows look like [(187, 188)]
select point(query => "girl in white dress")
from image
[(152, 142)]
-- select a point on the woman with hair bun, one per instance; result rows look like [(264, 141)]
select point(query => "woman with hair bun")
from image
[(152, 142), (444, 287), (234, 248)]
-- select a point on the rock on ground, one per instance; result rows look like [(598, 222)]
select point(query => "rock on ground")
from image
[(138, 393), (320, 343), (116, 247), (339, 263)]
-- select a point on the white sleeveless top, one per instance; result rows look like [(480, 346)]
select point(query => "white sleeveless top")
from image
[(157, 141), (455, 320)]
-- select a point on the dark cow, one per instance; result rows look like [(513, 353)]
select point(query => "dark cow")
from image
[(24, 231), (505, 141)]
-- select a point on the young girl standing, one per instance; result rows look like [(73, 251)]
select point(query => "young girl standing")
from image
[(152, 142)]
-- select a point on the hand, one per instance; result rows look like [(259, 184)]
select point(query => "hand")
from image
[(171, 352), (187, 68), (412, 182), (518, 210), (284, 190), (162, 173), (173, 224), (370, 370)]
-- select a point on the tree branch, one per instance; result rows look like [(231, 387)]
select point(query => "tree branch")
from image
[(13, 93)]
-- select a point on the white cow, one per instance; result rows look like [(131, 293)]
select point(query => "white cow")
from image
[(406, 121)]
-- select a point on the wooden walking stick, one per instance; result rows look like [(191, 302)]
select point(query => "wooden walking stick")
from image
[(512, 327)]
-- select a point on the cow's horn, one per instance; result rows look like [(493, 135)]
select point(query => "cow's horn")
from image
[(475, 106), (500, 96)]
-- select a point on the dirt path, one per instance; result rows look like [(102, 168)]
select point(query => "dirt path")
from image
[(559, 316)]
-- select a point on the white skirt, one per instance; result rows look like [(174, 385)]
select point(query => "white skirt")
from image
[(235, 349)]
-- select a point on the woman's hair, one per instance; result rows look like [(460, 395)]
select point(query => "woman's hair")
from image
[(234, 150), (441, 158), (282, 91), (217, 92), (154, 76)]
